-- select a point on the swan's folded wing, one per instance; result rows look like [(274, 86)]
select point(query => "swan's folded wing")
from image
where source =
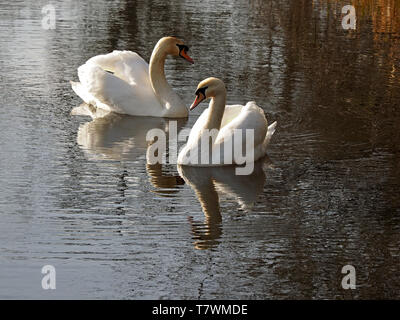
[(230, 113), (110, 92), (250, 117), (126, 65)]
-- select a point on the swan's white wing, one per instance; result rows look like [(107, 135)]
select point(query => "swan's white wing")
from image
[(230, 113), (126, 91), (250, 117), (126, 65), (270, 132)]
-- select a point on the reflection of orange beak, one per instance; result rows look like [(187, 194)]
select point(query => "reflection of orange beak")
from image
[(199, 98), (185, 56)]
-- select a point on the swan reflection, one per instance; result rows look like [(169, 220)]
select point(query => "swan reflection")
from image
[(211, 183), (164, 181), (116, 137)]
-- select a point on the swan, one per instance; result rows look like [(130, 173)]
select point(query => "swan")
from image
[(223, 121), (124, 83)]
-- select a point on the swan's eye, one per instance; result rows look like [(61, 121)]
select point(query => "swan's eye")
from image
[(183, 48), (202, 91)]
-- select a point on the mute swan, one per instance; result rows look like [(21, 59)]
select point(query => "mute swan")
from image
[(224, 121), (124, 83)]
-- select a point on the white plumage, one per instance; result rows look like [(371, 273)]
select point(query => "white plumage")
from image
[(226, 119), (123, 82)]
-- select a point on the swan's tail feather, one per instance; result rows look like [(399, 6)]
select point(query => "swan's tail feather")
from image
[(80, 90), (88, 108), (270, 132), (83, 110)]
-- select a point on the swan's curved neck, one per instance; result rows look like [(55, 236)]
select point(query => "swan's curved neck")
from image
[(158, 81), (217, 108), (171, 103)]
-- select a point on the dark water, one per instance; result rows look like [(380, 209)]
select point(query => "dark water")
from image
[(78, 195)]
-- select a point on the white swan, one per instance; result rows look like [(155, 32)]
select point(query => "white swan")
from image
[(124, 83), (223, 120)]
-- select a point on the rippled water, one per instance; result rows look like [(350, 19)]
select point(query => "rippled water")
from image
[(77, 194)]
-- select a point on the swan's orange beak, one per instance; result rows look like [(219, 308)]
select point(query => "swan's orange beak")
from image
[(199, 98), (185, 56)]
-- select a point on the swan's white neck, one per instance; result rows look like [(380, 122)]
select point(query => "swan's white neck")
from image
[(158, 81), (217, 109), (169, 100)]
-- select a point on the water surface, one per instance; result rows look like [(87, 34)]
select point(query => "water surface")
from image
[(77, 194)]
